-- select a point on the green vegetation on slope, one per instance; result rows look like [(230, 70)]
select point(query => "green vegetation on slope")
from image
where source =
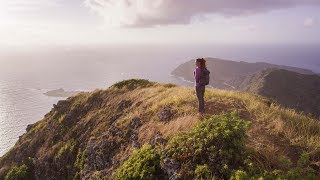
[(217, 142), (143, 164), (133, 84), (25, 171)]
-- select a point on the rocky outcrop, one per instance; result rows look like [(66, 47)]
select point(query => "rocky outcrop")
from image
[(166, 113), (136, 123), (124, 104), (170, 167)]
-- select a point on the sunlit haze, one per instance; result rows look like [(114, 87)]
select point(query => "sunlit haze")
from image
[(82, 22), (159, 89)]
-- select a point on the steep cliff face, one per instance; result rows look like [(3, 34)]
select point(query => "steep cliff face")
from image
[(145, 129), (291, 87), (293, 90)]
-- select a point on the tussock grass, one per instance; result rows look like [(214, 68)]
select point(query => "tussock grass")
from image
[(274, 121), (294, 121), (133, 84)]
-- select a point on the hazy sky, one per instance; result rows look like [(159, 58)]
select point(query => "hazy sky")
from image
[(73, 22)]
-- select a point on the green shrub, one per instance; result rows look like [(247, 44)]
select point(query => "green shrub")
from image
[(240, 175), (67, 149), (24, 171), (16, 173), (218, 141), (76, 176), (300, 171), (133, 84), (79, 163), (143, 164), (203, 172)]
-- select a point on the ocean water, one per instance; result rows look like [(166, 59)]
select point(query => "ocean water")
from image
[(26, 74)]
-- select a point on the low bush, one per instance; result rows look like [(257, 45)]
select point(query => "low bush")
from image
[(66, 150), (143, 164), (133, 84), (24, 171), (17, 173), (301, 170), (80, 160), (218, 141), (203, 172)]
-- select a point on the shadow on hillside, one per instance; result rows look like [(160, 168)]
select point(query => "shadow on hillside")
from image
[(216, 108)]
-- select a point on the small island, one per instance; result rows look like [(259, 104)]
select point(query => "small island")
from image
[(60, 93)]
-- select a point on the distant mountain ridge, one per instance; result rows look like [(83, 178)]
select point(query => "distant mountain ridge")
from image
[(290, 86)]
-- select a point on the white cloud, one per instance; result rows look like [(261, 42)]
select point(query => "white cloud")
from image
[(162, 12), (309, 22), (24, 6)]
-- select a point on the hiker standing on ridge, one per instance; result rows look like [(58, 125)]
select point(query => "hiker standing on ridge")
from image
[(201, 76)]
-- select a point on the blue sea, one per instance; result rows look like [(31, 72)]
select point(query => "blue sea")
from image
[(27, 73)]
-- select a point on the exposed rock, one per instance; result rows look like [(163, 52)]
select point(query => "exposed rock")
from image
[(114, 131), (170, 167), (124, 104), (61, 106), (135, 123), (29, 127), (166, 113), (158, 140), (99, 154), (134, 140), (115, 117)]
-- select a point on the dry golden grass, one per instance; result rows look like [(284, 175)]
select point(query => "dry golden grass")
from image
[(287, 124), (276, 132), (167, 129), (281, 131)]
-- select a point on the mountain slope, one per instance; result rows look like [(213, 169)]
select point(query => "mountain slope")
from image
[(94, 135), (224, 71), (290, 89)]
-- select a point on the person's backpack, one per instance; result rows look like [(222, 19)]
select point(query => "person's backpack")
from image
[(205, 77)]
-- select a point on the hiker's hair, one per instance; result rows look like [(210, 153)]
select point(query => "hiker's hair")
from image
[(202, 63)]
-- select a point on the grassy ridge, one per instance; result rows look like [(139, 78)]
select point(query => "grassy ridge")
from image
[(281, 139)]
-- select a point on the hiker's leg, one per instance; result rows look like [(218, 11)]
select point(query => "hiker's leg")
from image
[(202, 90), (198, 92), (200, 95)]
